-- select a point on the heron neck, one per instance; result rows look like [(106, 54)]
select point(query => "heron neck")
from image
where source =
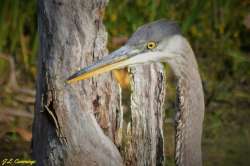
[(190, 111)]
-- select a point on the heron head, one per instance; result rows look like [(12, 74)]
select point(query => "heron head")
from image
[(150, 43)]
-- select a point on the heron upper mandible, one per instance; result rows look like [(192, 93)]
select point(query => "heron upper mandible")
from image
[(161, 41)]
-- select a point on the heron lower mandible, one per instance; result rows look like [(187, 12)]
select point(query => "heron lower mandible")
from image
[(161, 41)]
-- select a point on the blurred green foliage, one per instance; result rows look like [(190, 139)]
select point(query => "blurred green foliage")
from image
[(220, 39), (18, 34)]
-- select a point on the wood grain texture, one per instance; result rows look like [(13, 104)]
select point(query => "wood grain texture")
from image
[(65, 129), (144, 139)]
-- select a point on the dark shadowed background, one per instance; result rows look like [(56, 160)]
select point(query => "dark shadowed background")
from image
[(219, 32)]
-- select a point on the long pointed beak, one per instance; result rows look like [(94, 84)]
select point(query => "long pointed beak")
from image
[(115, 60)]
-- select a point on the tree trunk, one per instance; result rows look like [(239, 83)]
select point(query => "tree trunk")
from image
[(143, 136), (70, 120), (65, 130)]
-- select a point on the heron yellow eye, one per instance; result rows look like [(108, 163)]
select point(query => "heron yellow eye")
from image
[(151, 45)]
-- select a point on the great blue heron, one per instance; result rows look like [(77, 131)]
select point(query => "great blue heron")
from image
[(161, 41)]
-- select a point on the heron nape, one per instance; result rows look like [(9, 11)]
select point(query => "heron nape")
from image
[(162, 41)]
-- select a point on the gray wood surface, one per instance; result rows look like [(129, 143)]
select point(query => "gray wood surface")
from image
[(65, 130), (145, 134)]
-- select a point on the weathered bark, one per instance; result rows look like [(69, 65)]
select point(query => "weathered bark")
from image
[(65, 128), (65, 131), (144, 134)]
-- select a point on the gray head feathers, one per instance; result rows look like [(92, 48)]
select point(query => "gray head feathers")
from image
[(154, 31)]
